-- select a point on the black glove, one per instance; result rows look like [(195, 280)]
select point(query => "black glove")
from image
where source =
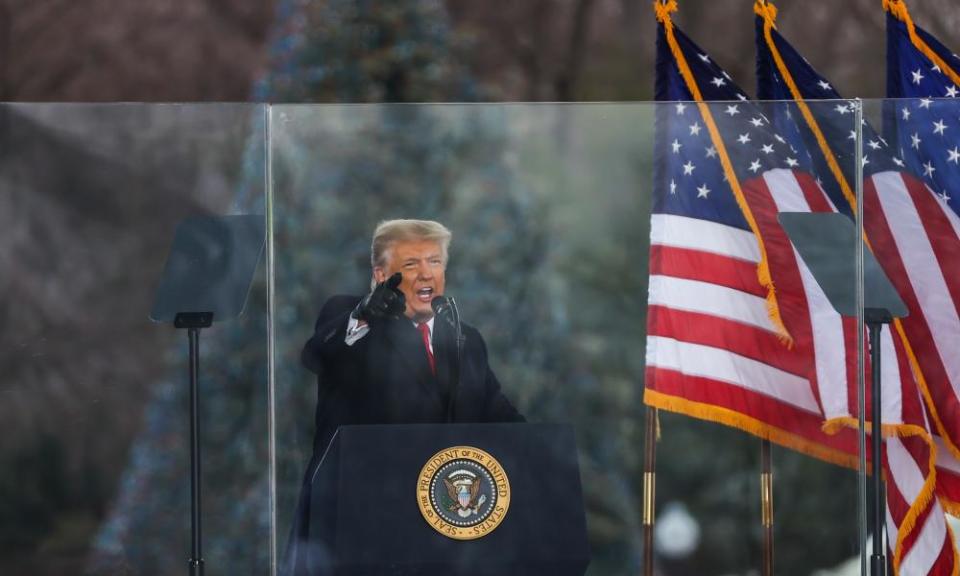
[(385, 302)]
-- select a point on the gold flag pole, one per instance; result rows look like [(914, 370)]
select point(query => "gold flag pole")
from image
[(649, 487), (766, 469), (766, 505)]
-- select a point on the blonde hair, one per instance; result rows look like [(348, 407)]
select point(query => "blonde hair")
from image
[(389, 232)]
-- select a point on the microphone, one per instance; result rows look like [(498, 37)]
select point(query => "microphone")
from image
[(440, 305), (446, 308)]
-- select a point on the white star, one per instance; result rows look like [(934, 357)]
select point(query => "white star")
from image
[(779, 139), (842, 109), (725, 75), (676, 146), (939, 126), (718, 81), (742, 97), (853, 135), (954, 155), (906, 113), (791, 162), (681, 107), (695, 129), (704, 57), (915, 141), (928, 169), (824, 84), (688, 168), (936, 68), (732, 110), (917, 76), (756, 122), (754, 166), (673, 187), (943, 196), (925, 102), (874, 144), (711, 152), (702, 191), (952, 91), (865, 160), (743, 138), (767, 148), (898, 162)]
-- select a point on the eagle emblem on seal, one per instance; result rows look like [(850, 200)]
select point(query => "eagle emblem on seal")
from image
[(463, 488)]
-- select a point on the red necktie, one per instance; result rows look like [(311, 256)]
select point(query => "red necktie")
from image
[(425, 333)]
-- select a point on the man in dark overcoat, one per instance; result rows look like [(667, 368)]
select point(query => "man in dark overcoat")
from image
[(387, 358)]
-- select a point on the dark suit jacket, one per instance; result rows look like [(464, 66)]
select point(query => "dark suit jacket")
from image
[(385, 378)]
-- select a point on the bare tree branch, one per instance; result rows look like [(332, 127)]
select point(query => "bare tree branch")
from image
[(572, 65)]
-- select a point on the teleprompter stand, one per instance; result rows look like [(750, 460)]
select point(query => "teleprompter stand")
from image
[(825, 242), (208, 275)]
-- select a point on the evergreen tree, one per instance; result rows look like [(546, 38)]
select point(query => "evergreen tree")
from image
[(331, 189)]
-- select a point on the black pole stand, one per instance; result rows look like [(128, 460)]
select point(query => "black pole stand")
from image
[(875, 318), (193, 322), (455, 375), (209, 268)]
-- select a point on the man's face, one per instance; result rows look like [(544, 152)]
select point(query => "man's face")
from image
[(422, 266)]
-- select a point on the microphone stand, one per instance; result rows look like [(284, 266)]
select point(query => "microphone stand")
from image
[(448, 309)]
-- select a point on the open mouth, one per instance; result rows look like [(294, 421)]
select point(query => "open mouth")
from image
[(425, 295)]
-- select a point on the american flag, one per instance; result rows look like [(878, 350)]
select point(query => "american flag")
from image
[(924, 128), (918, 534), (716, 346)]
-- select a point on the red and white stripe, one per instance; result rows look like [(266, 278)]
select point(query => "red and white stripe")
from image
[(927, 549), (916, 525), (710, 339), (915, 239), (821, 333)]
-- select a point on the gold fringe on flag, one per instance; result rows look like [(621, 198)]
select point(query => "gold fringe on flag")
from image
[(740, 421)]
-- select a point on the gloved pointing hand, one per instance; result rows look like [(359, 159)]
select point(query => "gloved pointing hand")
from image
[(384, 302)]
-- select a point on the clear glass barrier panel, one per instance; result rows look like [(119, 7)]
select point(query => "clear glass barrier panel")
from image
[(911, 150), (552, 210), (95, 455)]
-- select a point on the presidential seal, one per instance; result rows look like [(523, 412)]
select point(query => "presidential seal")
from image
[(463, 493)]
